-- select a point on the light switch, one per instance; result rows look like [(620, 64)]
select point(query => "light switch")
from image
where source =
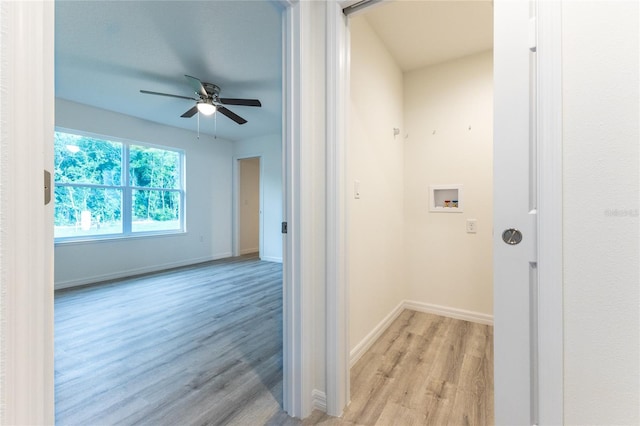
[(472, 226), (356, 189)]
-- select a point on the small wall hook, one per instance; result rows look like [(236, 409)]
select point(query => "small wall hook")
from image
[(396, 132)]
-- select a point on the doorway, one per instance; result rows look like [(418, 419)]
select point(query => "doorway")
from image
[(513, 307), (430, 134), (210, 143), (248, 207)]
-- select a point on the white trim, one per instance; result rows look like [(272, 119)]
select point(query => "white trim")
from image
[(366, 343), (249, 251), (550, 311), (26, 224), (337, 297), (271, 259), (449, 312), (319, 400), (137, 271), (297, 275)]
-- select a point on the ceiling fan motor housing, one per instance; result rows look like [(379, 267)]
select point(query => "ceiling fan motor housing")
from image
[(212, 90)]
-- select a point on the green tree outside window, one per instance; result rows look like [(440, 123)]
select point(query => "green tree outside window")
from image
[(94, 197)]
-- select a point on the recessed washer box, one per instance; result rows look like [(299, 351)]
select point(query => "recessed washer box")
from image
[(446, 198)]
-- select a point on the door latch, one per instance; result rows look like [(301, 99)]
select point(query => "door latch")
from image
[(47, 187)]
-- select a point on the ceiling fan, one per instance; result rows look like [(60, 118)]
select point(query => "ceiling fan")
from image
[(209, 100)]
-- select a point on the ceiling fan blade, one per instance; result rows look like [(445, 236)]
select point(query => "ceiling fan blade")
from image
[(190, 113), (232, 115), (196, 85), (147, 92), (244, 102)]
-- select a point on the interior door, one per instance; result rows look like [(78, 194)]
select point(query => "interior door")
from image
[(249, 207), (515, 199)]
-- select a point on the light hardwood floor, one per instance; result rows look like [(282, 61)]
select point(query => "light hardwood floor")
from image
[(424, 370), (203, 345)]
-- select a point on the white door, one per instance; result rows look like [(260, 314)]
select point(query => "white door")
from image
[(515, 199)]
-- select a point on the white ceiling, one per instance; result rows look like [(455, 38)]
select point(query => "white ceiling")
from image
[(418, 33), (106, 51)]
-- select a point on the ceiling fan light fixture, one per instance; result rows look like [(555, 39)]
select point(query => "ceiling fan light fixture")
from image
[(206, 108)]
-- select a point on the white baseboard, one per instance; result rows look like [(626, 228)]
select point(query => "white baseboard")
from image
[(446, 311), (136, 271), (271, 259), (369, 339), (319, 400)]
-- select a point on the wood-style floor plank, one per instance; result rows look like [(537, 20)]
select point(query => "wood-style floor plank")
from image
[(423, 370), (202, 345), (194, 345)]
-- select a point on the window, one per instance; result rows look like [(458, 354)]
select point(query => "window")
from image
[(106, 188)]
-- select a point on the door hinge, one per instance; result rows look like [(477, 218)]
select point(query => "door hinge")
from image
[(533, 35), (284, 227), (47, 187)]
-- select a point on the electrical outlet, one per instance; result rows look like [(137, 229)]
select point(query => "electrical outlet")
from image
[(472, 226)]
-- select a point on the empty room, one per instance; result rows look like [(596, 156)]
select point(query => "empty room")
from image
[(168, 203)]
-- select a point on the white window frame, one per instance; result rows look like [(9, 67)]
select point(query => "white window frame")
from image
[(127, 190)]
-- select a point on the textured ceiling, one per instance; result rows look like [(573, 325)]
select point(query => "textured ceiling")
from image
[(419, 33), (106, 51)]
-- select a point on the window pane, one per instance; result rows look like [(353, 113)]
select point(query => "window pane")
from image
[(155, 210), (80, 159), (82, 211), (154, 167)]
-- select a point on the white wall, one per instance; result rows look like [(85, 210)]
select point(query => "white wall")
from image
[(601, 233), (249, 205), (269, 149), (375, 158), (208, 203), (445, 265), (397, 249)]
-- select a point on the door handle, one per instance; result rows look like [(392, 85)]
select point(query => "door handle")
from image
[(512, 236)]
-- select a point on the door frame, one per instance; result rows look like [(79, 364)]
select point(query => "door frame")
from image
[(26, 265), (26, 223), (546, 32), (27, 287), (236, 203)]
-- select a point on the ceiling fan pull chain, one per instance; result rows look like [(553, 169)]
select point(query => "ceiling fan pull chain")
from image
[(215, 126), (198, 125)]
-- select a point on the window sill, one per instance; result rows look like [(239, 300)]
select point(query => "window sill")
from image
[(118, 238)]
